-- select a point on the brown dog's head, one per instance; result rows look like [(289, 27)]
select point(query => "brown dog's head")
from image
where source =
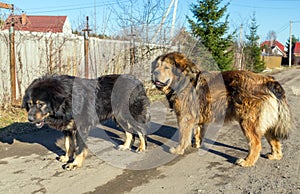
[(172, 71)]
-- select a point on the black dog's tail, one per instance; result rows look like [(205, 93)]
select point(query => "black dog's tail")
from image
[(284, 122)]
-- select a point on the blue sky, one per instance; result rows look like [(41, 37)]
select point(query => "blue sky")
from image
[(271, 15)]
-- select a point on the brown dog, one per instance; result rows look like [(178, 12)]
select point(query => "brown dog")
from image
[(257, 102)]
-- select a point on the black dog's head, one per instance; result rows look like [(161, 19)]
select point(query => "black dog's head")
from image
[(42, 99)]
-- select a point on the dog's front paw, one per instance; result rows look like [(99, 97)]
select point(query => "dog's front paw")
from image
[(244, 163), (197, 145), (70, 166), (140, 149), (274, 156), (63, 159), (178, 150), (122, 147)]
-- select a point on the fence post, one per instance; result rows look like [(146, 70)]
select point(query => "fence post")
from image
[(12, 63), (86, 47), (12, 58), (132, 50)]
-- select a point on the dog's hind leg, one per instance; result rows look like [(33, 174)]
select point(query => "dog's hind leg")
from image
[(254, 140), (128, 142), (276, 153), (142, 146)]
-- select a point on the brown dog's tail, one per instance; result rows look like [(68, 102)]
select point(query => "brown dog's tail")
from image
[(284, 122), (276, 88)]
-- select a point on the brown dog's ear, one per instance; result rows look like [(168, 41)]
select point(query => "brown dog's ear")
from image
[(179, 60), (185, 65)]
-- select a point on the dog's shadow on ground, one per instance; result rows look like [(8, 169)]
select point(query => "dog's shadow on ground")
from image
[(168, 132), (47, 137), (29, 133), (207, 146), (116, 135)]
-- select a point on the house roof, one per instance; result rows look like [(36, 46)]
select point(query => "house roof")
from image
[(273, 44), (36, 23), (297, 48)]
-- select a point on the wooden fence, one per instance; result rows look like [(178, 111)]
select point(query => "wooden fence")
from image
[(37, 54)]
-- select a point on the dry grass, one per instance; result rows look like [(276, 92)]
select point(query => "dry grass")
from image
[(12, 115), (154, 94)]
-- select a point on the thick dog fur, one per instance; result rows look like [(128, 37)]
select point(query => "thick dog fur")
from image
[(257, 102), (73, 105)]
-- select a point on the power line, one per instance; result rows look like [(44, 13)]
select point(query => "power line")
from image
[(283, 28), (80, 4), (74, 7), (264, 7), (281, 0)]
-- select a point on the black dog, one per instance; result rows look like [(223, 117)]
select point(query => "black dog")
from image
[(73, 105)]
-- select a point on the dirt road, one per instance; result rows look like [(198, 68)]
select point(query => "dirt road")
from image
[(28, 164)]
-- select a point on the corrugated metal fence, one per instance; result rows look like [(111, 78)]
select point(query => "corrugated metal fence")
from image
[(38, 54)]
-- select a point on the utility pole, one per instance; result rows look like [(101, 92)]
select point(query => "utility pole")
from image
[(95, 17), (163, 21), (290, 47), (174, 18), (241, 48), (12, 53), (86, 48)]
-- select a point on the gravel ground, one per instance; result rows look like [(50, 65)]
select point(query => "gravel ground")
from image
[(28, 164)]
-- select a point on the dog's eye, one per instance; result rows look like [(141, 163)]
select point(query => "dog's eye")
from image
[(30, 104), (40, 105), (167, 67)]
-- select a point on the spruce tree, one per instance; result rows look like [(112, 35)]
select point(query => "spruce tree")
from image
[(209, 28), (253, 58)]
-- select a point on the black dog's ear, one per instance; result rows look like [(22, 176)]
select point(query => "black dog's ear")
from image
[(58, 103), (25, 100), (27, 94)]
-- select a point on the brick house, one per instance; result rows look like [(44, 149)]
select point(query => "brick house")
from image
[(54, 24)]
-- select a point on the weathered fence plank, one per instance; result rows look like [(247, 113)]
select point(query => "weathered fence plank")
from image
[(38, 54)]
